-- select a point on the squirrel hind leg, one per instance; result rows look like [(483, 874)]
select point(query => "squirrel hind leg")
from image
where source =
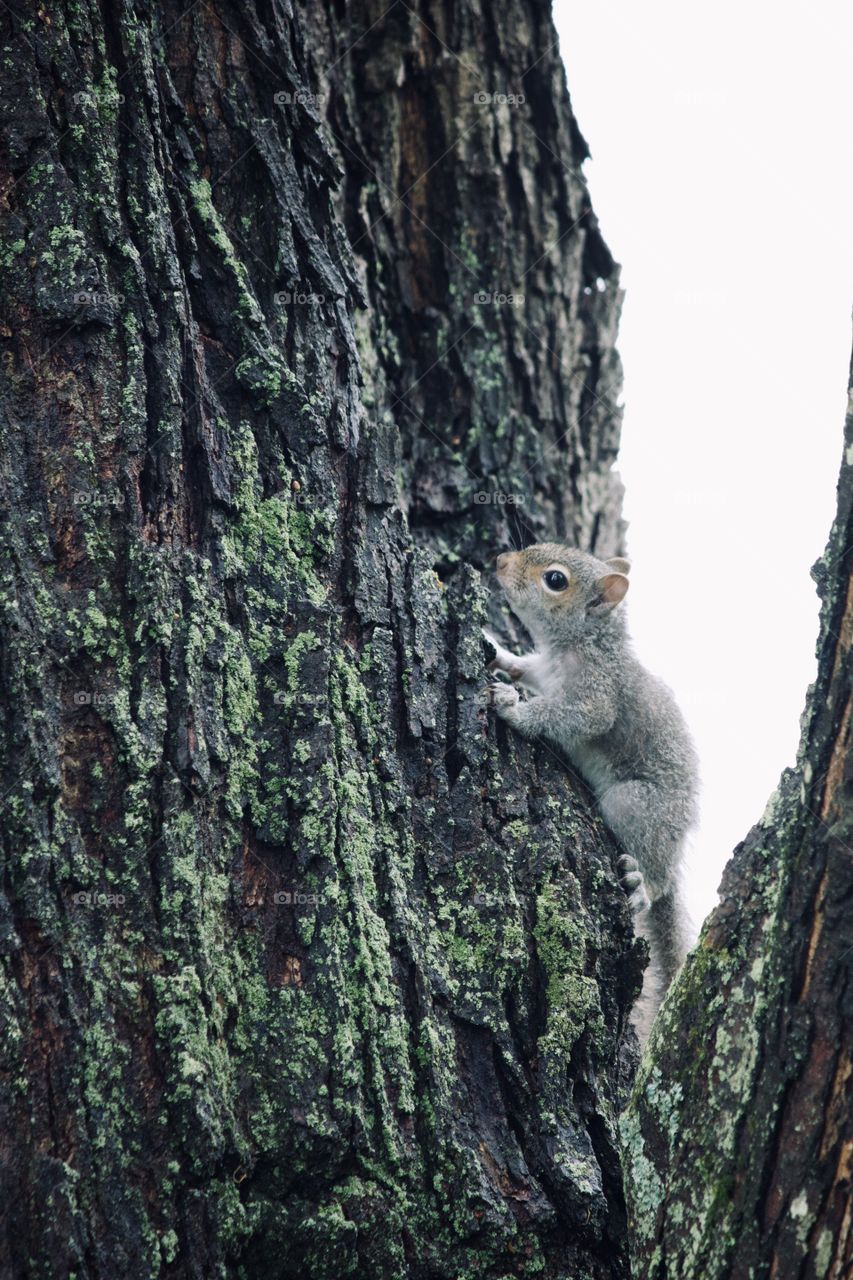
[(664, 926), (637, 814), (667, 933)]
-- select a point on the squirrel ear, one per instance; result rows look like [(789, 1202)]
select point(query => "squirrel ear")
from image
[(610, 590), (619, 563)]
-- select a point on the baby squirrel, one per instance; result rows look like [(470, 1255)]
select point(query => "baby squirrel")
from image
[(618, 724)]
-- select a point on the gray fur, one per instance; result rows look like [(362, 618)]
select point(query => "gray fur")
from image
[(619, 726)]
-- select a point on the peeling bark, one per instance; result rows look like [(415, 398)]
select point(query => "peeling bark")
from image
[(308, 970), (739, 1139)]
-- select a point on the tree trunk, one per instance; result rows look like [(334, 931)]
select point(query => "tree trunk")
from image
[(739, 1140), (308, 969)]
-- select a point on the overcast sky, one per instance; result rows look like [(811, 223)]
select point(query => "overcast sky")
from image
[(723, 181)]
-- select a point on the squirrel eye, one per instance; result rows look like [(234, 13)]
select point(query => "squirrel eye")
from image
[(555, 580)]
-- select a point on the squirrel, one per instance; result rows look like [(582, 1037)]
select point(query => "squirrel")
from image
[(618, 725)]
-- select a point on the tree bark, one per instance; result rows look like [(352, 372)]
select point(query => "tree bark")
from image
[(308, 969), (739, 1139)]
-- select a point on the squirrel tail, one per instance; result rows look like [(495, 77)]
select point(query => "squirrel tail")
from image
[(665, 927)]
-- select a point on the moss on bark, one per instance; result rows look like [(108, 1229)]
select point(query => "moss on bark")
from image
[(308, 970)]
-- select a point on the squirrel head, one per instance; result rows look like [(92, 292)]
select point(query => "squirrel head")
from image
[(561, 594)]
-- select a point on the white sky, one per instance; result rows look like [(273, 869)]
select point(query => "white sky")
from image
[(723, 180)]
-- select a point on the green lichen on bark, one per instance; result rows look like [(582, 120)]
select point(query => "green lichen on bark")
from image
[(307, 970)]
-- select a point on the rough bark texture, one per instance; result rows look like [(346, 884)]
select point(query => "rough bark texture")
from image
[(739, 1139), (308, 970)]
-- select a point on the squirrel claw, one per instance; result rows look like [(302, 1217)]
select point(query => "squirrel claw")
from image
[(500, 674), (503, 662), (499, 694)]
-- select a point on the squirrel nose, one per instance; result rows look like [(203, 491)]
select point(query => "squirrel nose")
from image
[(502, 560)]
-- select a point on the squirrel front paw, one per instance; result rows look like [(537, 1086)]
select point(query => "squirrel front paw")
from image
[(500, 695), (631, 880), (503, 659), (490, 639)]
